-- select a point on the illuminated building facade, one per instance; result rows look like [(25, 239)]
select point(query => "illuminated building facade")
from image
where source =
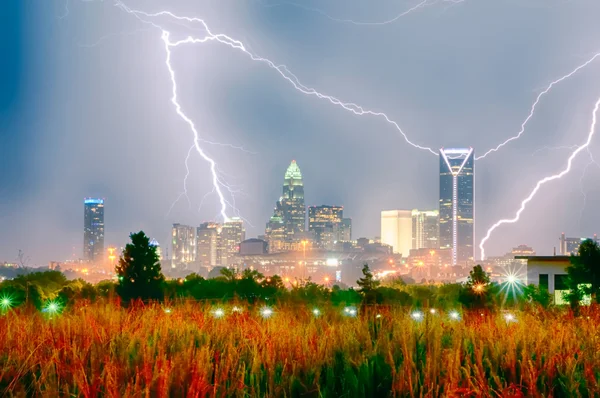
[(232, 234), (457, 205), (208, 244), (292, 202), (425, 229), (326, 223), (396, 230), (183, 244), (93, 230), (570, 246)]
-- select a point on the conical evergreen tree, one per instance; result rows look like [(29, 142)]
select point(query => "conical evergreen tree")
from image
[(140, 276)]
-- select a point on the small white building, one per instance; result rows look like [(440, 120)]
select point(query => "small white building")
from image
[(549, 272)]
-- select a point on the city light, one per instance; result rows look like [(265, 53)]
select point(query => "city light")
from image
[(266, 312), (479, 288)]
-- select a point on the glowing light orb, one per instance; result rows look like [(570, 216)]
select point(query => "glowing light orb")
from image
[(168, 310), (218, 313), (5, 303), (350, 311), (52, 307), (432, 311), (512, 279), (378, 316), (454, 315), (479, 288), (266, 312), (316, 312), (236, 309), (510, 318), (416, 315)]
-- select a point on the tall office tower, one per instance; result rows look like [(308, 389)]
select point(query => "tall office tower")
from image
[(396, 230), (93, 230), (425, 229), (232, 234), (275, 234), (346, 233), (207, 244), (184, 244), (292, 201), (457, 203), (325, 222)]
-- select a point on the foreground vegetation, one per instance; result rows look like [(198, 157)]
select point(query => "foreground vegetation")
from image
[(189, 349), (244, 334)]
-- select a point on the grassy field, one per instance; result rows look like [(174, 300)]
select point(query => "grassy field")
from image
[(104, 350)]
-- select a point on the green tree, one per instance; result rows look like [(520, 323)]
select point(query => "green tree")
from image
[(477, 293), (139, 272), (584, 273), (538, 295), (368, 286)]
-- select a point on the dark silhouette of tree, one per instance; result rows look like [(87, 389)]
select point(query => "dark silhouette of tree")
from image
[(478, 291), (368, 286), (584, 274), (139, 272), (229, 274)]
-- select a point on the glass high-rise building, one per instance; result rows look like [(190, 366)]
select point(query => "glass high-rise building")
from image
[(207, 246), (457, 203), (93, 230), (183, 244), (425, 229), (292, 202), (232, 234), (326, 223)]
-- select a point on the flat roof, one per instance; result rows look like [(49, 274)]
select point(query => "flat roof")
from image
[(544, 258)]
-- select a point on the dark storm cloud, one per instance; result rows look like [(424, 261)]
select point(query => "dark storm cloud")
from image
[(97, 120)]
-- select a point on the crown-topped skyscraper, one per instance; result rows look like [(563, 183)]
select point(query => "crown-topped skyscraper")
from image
[(292, 202)]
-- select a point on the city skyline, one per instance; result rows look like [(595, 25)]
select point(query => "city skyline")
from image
[(128, 144)]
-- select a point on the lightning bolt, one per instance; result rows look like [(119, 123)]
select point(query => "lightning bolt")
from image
[(184, 192), (422, 4), (282, 70), (537, 100), (553, 148), (543, 181)]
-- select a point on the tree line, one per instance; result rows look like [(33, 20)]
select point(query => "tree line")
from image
[(140, 278)]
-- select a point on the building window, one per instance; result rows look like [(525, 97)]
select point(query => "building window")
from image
[(543, 281), (560, 282)]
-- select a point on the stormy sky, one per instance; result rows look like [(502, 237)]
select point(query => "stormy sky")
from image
[(85, 111)]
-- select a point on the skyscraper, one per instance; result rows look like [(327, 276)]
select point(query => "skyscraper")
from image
[(207, 246), (184, 244), (326, 223), (396, 230), (457, 202), (232, 234), (93, 230), (292, 202), (425, 229)]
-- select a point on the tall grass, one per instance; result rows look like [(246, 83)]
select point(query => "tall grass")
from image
[(104, 350)]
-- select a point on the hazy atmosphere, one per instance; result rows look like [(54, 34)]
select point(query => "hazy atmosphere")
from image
[(85, 110)]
